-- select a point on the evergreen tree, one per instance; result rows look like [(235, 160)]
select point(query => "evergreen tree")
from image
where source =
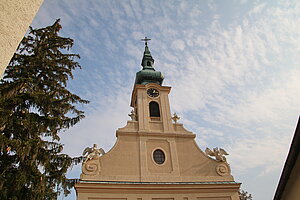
[(35, 106), (244, 195)]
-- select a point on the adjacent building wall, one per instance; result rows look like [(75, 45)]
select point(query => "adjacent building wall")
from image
[(15, 18), (289, 183), (293, 185)]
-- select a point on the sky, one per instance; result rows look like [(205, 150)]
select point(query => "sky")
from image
[(233, 67)]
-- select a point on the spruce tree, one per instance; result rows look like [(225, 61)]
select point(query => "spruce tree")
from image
[(35, 105), (243, 195)]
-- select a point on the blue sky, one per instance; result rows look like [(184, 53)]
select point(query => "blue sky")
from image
[(233, 67)]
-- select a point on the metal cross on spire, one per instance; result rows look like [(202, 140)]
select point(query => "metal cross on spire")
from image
[(146, 40)]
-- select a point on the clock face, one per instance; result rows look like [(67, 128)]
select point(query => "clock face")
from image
[(152, 92)]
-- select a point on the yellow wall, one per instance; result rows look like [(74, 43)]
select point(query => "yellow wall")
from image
[(15, 18), (147, 191), (292, 188)]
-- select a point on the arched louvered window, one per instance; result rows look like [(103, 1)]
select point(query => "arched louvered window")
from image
[(148, 63), (154, 109)]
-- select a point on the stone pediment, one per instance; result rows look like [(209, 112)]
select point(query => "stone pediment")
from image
[(131, 159)]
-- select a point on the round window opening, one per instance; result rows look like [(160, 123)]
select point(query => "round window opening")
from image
[(159, 156)]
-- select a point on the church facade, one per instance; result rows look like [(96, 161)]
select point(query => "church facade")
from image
[(155, 157)]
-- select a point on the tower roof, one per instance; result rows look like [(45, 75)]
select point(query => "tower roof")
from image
[(148, 74)]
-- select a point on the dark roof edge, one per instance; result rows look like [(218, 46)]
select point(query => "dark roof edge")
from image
[(289, 163), (158, 183)]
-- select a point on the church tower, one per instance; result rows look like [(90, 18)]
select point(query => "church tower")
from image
[(154, 156)]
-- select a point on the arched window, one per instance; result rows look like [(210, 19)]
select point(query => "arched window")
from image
[(148, 63), (154, 109)]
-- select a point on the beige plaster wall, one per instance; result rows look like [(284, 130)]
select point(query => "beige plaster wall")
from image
[(113, 191), (131, 160), (189, 161), (120, 163), (292, 188), (15, 18)]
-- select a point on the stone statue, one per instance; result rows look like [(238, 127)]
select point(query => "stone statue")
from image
[(219, 153), (92, 152), (175, 118), (132, 115)]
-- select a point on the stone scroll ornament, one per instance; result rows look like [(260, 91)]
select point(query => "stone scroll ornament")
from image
[(223, 169), (91, 168)]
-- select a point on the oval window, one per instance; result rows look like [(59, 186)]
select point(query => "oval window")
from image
[(159, 156)]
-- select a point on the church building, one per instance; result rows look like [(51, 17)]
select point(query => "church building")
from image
[(155, 157)]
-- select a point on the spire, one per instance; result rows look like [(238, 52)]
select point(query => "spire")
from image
[(147, 61), (148, 73), (147, 51)]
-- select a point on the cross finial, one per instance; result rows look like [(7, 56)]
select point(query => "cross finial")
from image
[(175, 118), (146, 40)]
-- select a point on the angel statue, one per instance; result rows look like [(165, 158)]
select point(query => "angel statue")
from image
[(132, 115), (219, 153), (92, 152)]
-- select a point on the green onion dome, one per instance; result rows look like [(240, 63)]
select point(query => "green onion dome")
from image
[(148, 73)]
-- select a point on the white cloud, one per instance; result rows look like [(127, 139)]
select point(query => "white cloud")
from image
[(99, 126), (234, 84), (178, 44), (212, 6), (257, 9), (244, 78), (252, 152)]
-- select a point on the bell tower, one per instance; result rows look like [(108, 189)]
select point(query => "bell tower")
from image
[(150, 99), (155, 158)]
